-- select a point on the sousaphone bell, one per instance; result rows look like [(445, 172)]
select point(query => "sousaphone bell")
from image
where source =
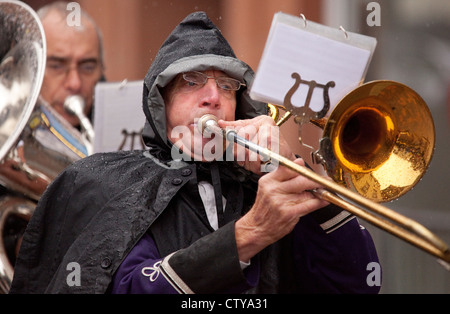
[(22, 56)]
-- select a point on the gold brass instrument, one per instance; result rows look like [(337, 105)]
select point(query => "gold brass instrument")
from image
[(377, 143), (378, 140)]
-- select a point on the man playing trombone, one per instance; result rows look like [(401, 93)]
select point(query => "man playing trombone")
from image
[(147, 222)]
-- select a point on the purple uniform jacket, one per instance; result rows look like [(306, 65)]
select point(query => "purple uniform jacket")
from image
[(326, 261)]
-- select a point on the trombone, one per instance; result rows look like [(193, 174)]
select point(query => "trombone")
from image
[(376, 128)]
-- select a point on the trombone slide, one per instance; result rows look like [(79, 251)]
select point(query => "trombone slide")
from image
[(407, 229)]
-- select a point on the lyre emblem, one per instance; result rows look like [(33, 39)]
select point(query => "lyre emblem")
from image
[(126, 134), (304, 114)]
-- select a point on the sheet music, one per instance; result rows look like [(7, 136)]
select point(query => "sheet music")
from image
[(118, 115), (317, 53)]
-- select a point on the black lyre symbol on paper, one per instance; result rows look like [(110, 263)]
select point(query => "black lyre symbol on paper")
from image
[(132, 135), (303, 114)]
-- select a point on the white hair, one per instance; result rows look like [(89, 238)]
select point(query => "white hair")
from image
[(61, 7)]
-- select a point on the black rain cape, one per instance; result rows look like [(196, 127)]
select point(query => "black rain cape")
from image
[(97, 209)]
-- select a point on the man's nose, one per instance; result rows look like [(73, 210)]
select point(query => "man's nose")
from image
[(73, 81), (211, 94)]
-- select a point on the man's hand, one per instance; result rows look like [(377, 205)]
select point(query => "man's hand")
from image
[(261, 131), (281, 200)]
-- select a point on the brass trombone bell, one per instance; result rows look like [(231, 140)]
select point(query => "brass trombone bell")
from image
[(378, 140), (376, 145)]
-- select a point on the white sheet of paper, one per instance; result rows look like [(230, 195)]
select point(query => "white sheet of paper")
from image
[(316, 52), (117, 107)]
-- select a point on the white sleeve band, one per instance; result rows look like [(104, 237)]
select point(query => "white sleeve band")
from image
[(173, 278)]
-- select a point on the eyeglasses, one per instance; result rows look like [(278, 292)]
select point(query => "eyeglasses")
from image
[(196, 80), (61, 66)]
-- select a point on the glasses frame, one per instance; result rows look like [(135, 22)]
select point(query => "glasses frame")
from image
[(62, 66), (217, 79)]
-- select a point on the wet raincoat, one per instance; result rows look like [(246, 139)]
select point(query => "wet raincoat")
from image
[(134, 222)]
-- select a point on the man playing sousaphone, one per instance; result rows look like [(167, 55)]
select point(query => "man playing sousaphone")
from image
[(74, 64)]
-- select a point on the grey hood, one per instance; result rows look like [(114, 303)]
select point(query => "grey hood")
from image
[(196, 44)]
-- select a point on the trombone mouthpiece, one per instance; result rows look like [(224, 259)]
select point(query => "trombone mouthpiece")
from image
[(74, 105), (207, 124)]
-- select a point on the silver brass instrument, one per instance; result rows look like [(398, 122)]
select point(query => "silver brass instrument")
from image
[(379, 124), (74, 105), (22, 55), (14, 215), (36, 143)]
